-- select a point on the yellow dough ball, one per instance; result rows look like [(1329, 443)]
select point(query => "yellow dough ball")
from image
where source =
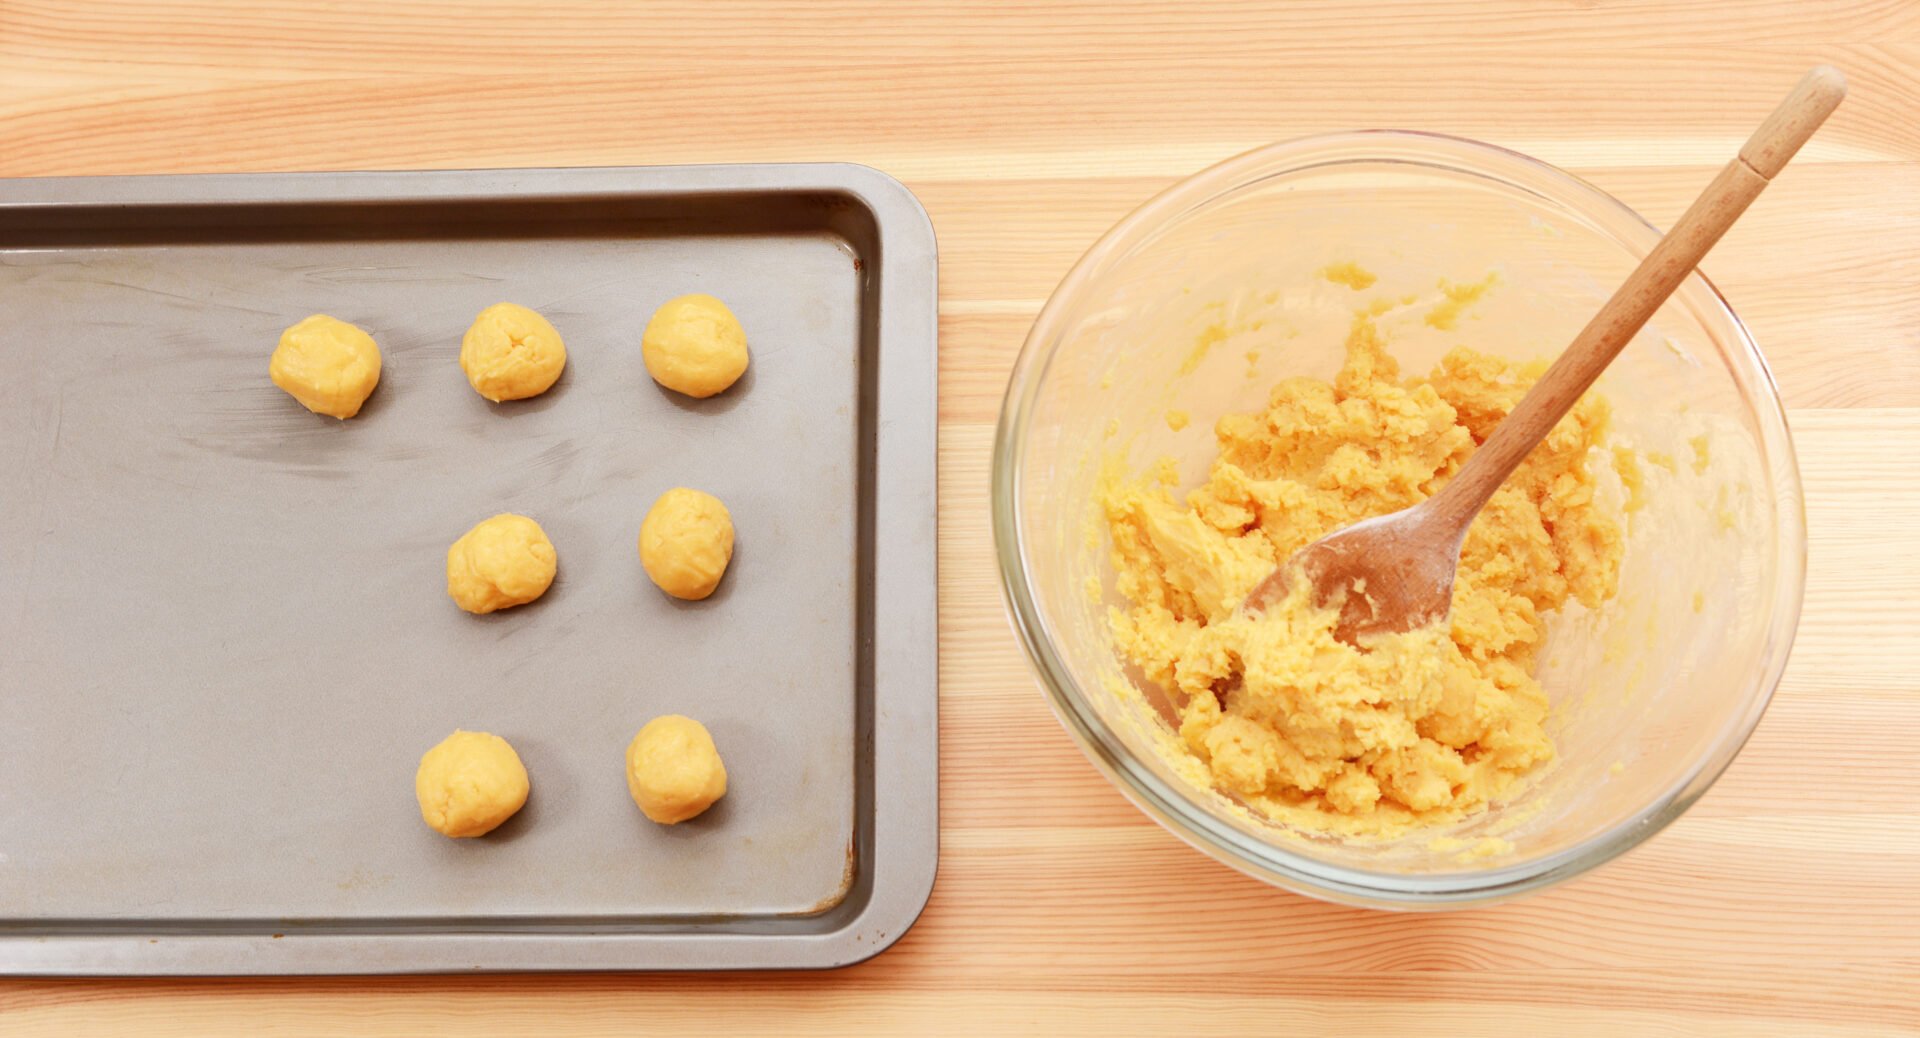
[(504, 561), (674, 770), (694, 345), (511, 353), (686, 542), (327, 364), (469, 784)]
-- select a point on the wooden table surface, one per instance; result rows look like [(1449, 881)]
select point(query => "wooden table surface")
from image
[(1787, 902)]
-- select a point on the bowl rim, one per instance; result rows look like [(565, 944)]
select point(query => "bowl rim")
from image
[(1175, 810)]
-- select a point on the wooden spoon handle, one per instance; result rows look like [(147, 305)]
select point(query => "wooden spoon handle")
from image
[(1645, 289)]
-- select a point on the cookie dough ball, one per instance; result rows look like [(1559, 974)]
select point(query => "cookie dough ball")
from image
[(511, 353), (674, 770), (505, 561), (469, 784), (694, 345), (686, 542), (327, 364)]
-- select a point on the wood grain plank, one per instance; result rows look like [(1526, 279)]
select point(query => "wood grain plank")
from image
[(932, 102), (1447, 1002), (461, 36)]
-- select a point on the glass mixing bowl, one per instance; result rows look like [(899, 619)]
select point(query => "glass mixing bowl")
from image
[(1211, 292)]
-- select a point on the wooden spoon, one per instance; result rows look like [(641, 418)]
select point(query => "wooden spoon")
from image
[(1395, 572)]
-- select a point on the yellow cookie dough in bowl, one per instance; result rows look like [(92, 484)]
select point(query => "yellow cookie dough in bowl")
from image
[(328, 365), (469, 783), (502, 562), (694, 345), (1337, 323), (512, 353), (686, 542), (674, 770), (1411, 729)]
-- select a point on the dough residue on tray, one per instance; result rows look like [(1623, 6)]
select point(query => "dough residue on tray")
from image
[(1414, 729)]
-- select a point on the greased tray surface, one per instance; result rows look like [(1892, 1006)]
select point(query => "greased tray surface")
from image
[(226, 634)]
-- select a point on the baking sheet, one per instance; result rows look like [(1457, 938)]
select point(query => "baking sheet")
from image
[(227, 635)]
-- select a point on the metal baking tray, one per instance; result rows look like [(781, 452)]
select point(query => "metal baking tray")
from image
[(224, 634)]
